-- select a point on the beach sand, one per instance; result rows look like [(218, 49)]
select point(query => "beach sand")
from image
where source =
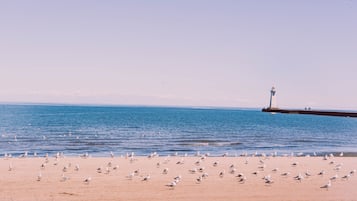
[(19, 179)]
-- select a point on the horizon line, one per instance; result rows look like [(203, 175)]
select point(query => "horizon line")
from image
[(150, 105)]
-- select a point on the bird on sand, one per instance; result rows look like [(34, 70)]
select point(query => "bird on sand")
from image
[(147, 178), (87, 180), (165, 171), (39, 176), (199, 179), (172, 184), (11, 167), (327, 186), (64, 178), (221, 174), (322, 172), (334, 178), (346, 177), (242, 179)]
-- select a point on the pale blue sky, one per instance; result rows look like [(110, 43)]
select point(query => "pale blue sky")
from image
[(184, 53)]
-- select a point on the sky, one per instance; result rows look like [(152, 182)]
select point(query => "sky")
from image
[(226, 53)]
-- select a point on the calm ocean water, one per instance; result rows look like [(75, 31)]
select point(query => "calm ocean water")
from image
[(99, 130)]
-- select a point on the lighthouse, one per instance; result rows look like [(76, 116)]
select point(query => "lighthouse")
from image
[(272, 104)]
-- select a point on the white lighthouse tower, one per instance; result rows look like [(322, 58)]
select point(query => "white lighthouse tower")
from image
[(273, 104)]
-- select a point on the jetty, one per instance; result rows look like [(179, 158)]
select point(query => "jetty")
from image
[(274, 109)]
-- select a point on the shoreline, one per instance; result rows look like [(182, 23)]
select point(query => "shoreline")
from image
[(180, 154), (111, 178)]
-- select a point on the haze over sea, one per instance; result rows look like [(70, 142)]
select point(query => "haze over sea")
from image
[(100, 130)]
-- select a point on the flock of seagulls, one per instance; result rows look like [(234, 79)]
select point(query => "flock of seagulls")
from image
[(262, 167)]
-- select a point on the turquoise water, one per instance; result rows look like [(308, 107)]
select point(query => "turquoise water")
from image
[(99, 130)]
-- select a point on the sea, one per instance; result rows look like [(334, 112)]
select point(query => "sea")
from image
[(100, 130)]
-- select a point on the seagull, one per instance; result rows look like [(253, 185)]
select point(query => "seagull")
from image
[(76, 168), (198, 162), (178, 178), (327, 186), (201, 169), (299, 177), (322, 172), (275, 169), (131, 155), (295, 164), (240, 175), (88, 180), (193, 171), (109, 164), (256, 173), (165, 171), (334, 178), (269, 181), (86, 155), (172, 184), (242, 179), (146, 178), (233, 170), (99, 170), (180, 162), (267, 177), (10, 167), (307, 173), (221, 174), (341, 154), (131, 175), (107, 170), (39, 176), (111, 154), (205, 175), (199, 179), (215, 164), (353, 172), (43, 165), (285, 174), (116, 167), (64, 178), (347, 176), (65, 169), (262, 167)]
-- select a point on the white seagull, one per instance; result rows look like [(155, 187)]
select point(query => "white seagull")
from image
[(221, 174), (147, 178), (87, 180), (76, 168), (39, 176), (334, 178), (172, 184), (165, 171), (327, 186)]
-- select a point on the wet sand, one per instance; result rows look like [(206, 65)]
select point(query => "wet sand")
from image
[(20, 180)]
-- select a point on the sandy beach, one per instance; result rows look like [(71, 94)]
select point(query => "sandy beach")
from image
[(199, 178)]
